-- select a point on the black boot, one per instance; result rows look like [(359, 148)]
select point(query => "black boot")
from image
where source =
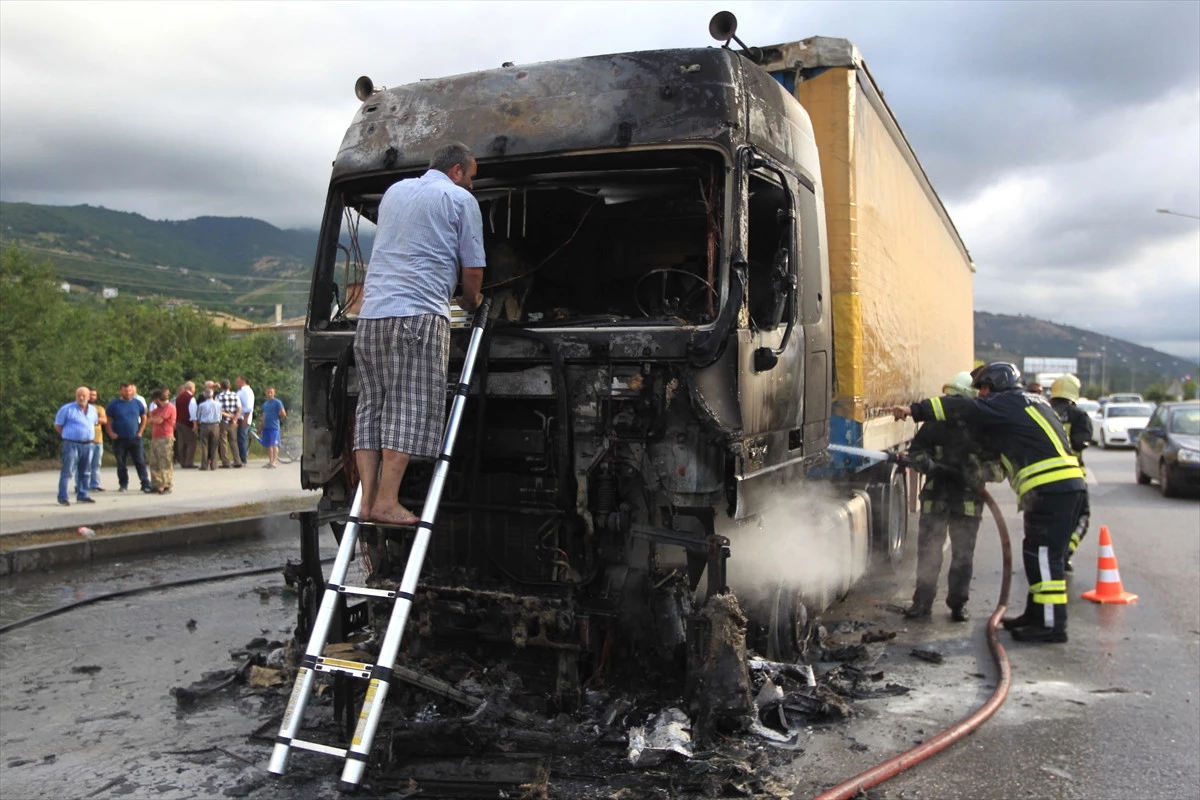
[(1016, 623), (959, 613), (919, 611), (1040, 634)]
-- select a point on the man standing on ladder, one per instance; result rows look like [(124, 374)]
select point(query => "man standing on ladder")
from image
[(429, 229), (1044, 473)]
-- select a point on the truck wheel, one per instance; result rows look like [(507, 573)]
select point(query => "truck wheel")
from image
[(788, 630), (889, 516)]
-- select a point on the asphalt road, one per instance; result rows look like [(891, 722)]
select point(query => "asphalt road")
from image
[(1112, 714)]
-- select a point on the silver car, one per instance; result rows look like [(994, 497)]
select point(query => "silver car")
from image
[(1121, 423)]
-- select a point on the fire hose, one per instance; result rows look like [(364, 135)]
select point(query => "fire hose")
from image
[(894, 766)]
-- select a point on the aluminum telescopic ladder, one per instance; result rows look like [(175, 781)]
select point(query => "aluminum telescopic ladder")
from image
[(380, 673)]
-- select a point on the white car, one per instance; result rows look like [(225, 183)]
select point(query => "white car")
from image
[(1121, 423)]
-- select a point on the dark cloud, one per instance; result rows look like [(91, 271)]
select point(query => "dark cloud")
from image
[(1051, 130)]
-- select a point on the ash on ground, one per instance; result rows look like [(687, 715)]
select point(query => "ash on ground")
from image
[(458, 724)]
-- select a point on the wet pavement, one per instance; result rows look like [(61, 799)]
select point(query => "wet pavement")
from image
[(85, 702), (29, 503), (1112, 714)]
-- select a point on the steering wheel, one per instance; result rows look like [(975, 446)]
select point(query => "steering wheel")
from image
[(667, 305)]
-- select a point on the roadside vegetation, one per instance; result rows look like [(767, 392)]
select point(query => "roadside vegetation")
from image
[(50, 345)]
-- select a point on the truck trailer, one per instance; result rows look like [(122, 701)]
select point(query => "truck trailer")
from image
[(704, 265)]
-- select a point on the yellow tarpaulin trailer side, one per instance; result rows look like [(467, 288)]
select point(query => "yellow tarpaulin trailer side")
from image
[(901, 278)]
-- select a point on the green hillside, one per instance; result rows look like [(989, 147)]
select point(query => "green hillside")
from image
[(234, 264)]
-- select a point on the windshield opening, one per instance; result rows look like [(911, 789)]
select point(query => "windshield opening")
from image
[(587, 240)]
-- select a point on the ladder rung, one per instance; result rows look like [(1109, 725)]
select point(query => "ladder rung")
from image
[(363, 591), (355, 668), (317, 747), (387, 526)]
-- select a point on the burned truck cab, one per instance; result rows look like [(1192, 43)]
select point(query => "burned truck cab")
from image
[(658, 361)]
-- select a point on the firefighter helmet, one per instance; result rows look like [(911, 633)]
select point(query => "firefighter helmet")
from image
[(959, 385), (1065, 386), (999, 376)]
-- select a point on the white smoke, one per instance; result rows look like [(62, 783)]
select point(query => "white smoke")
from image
[(804, 541)]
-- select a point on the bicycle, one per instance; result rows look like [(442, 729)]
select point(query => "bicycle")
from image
[(289, 446)]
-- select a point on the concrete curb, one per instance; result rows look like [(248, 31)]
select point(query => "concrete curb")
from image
[(104, 548)]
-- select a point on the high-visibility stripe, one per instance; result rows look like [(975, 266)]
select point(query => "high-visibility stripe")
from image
[(1008, 465), (969, 508), (1108, 576), (1045, 574), (1050, 477), (1044, 424), (927, 507), (1045, 464), (1049, 600), (939, 413)]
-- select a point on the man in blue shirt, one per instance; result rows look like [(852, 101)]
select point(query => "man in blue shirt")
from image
[(76, 424), (272, 413), (430, 231), (126, 421)]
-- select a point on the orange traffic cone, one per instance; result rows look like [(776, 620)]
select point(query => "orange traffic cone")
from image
[(1108, 579)]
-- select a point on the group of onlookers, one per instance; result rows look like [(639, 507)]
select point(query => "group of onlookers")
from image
[(217, 420)]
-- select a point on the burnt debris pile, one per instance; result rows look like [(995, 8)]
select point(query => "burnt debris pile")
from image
[(468, 723)]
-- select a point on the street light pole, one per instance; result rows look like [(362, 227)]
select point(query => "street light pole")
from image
[(1176, 213), (1104, 369)]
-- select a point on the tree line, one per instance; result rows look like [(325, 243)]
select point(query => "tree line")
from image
[(50, 345)]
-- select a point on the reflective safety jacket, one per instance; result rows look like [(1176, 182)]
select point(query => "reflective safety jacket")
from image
[(1023, 429), (1076, 423), (955, 472)]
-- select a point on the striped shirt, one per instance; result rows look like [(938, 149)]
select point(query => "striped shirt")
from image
[(429, 228)]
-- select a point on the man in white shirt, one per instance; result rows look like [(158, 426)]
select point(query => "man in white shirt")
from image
[(246, 398), (429, 235)]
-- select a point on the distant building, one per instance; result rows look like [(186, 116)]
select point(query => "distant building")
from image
[(109, 292)]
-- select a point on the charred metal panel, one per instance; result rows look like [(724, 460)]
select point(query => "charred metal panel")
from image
[(663, 96), (779, 125)]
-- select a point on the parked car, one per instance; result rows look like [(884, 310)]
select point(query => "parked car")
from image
[(1120, 423), (1169, 448), (1092, 409)]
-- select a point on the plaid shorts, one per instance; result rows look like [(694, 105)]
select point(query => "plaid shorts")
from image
[(402, 383)]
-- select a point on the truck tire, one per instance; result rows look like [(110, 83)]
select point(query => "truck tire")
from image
[(889, 515)]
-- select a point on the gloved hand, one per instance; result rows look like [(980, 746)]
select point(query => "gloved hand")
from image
[(921, 462)]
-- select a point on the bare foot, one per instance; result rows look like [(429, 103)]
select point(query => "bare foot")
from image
[(396, 515)]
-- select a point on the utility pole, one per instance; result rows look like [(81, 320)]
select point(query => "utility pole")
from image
[(1104, 369)]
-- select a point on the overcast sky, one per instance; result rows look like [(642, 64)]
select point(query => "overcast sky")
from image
[(1051, 130)]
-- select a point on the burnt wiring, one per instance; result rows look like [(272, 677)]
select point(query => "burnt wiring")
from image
[(712, 242), (545, 260), (354, 270)]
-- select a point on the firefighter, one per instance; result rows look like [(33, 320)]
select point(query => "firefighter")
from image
[(951, 501), (1024, 430), (1064, 393)]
